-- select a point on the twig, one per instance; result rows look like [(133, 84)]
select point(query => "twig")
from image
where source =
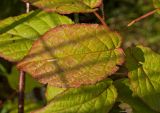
[(27, 7), (22, 81), (142, 17), (101, 20), (21, 92)]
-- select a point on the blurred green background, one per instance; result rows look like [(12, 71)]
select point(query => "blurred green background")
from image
[(118, 14)]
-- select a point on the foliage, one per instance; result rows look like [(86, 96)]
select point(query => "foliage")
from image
[(93, 53), (67, 6), (75, 66), (87, 99)]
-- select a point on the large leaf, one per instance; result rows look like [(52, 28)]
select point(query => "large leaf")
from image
[(98, 98), (143, 65), (18, 33), (72, 55), (67, 6), (125, 96)]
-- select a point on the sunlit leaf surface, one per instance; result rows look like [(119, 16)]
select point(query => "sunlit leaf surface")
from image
[(98, 98), (17, 34), (67, 6), (143, 65), (74, 55)]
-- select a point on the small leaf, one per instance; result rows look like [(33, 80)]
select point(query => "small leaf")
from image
[(67, 6), (125, 96), (143, 65), (74, 55), (18, 33), (98, 98)]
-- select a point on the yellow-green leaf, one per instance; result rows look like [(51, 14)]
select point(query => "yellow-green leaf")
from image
[(51, 92), (125, 96), (67, 6), (98, 98), (17, 34), (143, 65), (74, 55)]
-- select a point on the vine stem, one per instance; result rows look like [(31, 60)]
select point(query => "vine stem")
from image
[(21, 93), (101, 20), (142, 17)]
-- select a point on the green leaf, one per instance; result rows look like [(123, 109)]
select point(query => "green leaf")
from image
[(3, 71), (98, 98), (143, 65), (30, 83), (51, 92), (125, 96), (74, 55), (17, 34), (11, 106), (67, 6)]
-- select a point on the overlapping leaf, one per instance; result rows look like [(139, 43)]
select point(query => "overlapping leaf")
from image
[(73, 55), (67, 6), (143, 65), (98, 98), (18, 33), (51, 92), (125, 96)]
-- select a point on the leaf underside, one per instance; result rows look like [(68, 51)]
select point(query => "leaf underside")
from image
[(17, 34), (143, 65), (98, 98), (67, 6), (74, 55)]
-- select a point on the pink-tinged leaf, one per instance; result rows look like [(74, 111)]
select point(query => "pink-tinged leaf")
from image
[(67, 6), (74, 55)]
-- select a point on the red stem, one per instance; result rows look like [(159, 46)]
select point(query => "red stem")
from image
[(21, 92), (101, 20), (143, 16)]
